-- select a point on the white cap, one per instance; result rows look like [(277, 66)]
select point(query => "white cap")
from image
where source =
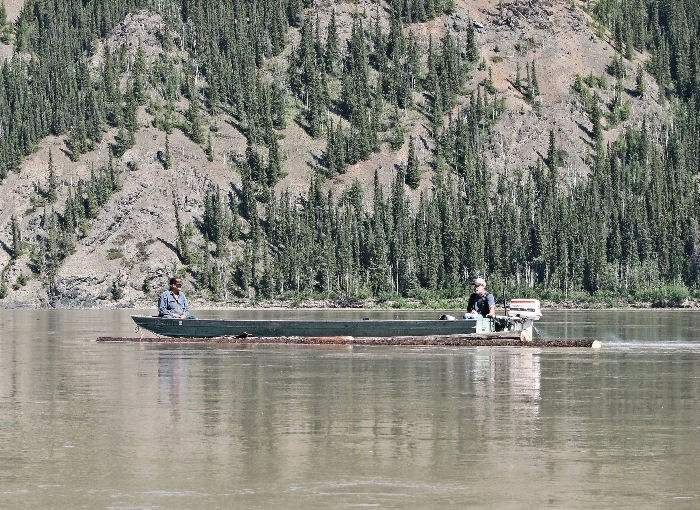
[(480, 281)]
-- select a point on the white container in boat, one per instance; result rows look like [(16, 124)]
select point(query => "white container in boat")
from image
[(483, 325), (525, 308)]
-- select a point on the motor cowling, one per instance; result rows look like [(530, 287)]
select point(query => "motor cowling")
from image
[(525, 309), (523, 312)]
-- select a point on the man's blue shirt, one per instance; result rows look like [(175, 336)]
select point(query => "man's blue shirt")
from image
[(481, 304), (168, 306)]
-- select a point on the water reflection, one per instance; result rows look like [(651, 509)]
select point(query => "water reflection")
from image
[(525, 376), (367, 405), (172, 378), (137, 426)]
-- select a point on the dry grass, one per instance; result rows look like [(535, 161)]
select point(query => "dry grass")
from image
[(13, 7)]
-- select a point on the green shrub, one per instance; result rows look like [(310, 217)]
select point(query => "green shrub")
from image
[(117, 290), (674, 294), (363, 293), (114, 253), (666, 296), (6, 34), (605, 299), (21, 281)]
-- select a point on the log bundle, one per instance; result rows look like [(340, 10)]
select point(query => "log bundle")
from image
[(504, 339)]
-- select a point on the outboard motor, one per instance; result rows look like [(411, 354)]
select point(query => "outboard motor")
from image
[(523, 312)]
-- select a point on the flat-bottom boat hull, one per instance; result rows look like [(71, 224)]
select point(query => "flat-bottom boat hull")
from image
[(209, 328)]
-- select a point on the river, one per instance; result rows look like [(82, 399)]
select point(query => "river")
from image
[(127, 426)]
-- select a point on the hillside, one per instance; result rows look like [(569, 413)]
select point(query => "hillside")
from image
[(122, 250)]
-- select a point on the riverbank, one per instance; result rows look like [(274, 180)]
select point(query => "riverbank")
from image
[(405, 304), (446, 304)]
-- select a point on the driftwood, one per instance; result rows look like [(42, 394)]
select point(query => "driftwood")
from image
[(504, 339)]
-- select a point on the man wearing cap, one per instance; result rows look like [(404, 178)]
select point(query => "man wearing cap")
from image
[(481, 302)]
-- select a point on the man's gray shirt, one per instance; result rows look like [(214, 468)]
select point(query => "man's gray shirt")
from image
[(168, 306)]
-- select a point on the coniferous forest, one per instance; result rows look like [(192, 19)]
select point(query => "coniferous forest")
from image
[(626, 230)]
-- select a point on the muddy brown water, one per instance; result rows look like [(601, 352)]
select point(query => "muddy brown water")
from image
[(88, 425)]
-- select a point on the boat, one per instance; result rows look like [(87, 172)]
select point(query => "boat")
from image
[(519, 317), (207, 328)]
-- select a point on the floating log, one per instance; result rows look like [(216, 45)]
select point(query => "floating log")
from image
[(504, 339)]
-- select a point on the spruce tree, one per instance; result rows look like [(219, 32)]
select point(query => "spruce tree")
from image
[(123, 141), (209, 151), (397, 135), (52, 185), (166, 154), (192, 115), (92, 208), (340, 149), (220, 226), (329, 156), (168, 116), (130, 111), (182, 245), (52, 253), (376, 118), (534, 84), (248, 205), (332, 47), (235, 225), (267, 280), (413, 65), (138, 74), (274, 164), (412, 176), (472, 50), (419, 12), (596, 118), (16, 238), (436, 120), (94, 114), (315, 107), (75, 143), (432, 78), (552, 152), (277, 106), (640, 88), (117, 290)]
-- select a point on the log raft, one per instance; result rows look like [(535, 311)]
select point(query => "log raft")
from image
[(503, 339)]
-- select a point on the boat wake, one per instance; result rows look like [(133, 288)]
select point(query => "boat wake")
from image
[(612, 340), (668, 345)]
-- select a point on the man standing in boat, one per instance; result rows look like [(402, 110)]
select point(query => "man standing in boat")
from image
[(172, 303), (481, 302)]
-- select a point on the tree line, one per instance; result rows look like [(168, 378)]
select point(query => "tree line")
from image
[(626, 229)]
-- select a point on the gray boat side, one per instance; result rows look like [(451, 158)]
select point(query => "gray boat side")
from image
[(207, 328)]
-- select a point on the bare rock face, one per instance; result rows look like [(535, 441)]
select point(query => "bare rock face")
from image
[(143, 28), (558, 40), (75, 292), (459, 21)]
